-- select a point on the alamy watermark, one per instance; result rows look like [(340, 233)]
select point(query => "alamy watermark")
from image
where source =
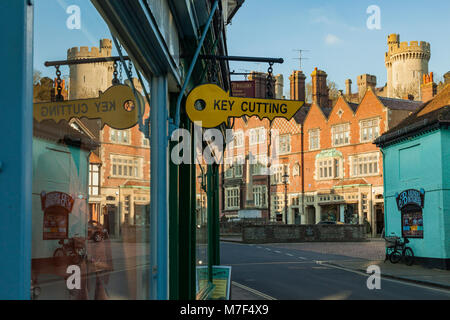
[(374, 280), (212, 146), (73, 22), (374, 20)]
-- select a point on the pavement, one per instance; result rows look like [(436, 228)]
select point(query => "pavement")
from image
[(360, 256)]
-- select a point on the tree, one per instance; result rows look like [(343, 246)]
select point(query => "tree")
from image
[(333, 91)]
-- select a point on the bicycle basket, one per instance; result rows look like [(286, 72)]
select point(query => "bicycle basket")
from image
[(390, 241)]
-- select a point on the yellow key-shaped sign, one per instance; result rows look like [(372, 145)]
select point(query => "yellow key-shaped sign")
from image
[(212, 106), (116, 107)]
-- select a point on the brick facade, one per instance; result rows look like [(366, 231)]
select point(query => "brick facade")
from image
[(334, 169)]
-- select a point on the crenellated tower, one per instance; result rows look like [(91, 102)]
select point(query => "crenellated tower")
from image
[(406, 63), (86, 80)]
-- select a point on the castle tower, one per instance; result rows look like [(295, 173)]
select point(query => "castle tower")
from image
[(86, 80), (406, 63), (364, 82)]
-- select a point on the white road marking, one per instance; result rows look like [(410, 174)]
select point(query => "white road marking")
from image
[(303, 258), (262, 295), (290, 255), (277, 251)]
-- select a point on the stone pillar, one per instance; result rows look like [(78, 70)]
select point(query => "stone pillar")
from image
[(318, 212), (342, 212)]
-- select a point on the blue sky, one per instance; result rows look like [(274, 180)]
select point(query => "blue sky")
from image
[(334, 32)]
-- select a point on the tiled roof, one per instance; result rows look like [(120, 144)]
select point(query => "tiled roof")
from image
[(400, 104), (434, 111)]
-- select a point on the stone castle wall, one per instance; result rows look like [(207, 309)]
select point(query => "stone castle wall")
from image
[(86, 80), (406, 63)]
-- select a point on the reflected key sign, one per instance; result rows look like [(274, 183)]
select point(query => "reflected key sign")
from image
[(212, 106), (116, 107)]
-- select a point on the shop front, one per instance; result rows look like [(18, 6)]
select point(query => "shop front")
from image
[(416, 184), (122, 224)]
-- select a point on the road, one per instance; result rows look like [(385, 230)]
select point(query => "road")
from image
[(292, 274)]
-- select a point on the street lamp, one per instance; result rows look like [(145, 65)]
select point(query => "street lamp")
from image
[(285, 181)]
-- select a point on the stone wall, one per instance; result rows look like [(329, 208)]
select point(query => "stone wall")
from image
[(303, 233)]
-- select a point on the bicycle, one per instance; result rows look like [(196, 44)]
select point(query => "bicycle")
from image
[(397, 250), (74, 248)]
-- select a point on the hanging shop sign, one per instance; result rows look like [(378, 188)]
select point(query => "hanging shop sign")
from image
[(411, 202), (56, 206), (410, 197), (212, 106), (116, 107)]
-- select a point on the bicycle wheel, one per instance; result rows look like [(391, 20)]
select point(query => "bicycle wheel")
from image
[(395, 257), (408, 255)]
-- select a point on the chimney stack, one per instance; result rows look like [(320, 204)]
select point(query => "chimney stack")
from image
[(348, 87), (428, 87), (319, 88), (297, 80)]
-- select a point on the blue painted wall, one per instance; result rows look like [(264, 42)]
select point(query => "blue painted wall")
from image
[(421, 162)]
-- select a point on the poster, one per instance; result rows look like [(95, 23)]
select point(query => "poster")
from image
[(221, 279), (55, 225), (412, 224)]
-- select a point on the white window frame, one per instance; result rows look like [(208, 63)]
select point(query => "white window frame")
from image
[(370, 126), (257, 135), (238, 166), (278, 172), (344, 132), (326, 168), (120, 163), (361, 164), (232, 198), (314, 131), (260, 165), (238, 139), (114, 136), (284, 147), (94, 179), (260, 196)]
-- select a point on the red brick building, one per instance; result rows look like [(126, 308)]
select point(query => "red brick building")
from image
[(326, 167)]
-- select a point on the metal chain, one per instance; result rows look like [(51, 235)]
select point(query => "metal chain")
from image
[(59, 96), (269, 81), (115, 81), (120, 73)]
